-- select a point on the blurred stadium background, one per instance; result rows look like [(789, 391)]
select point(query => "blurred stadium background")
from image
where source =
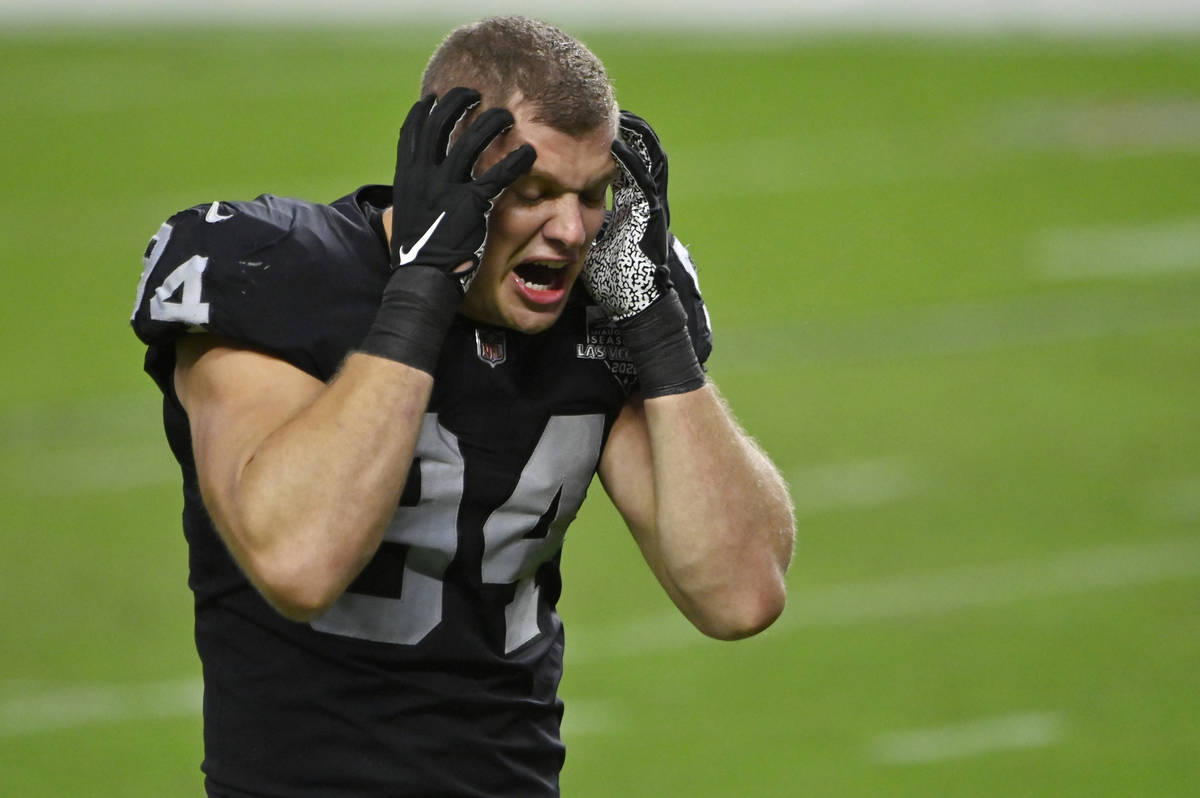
[(954, 267)]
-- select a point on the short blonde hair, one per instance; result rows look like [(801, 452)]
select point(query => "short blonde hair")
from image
[(506, 57)]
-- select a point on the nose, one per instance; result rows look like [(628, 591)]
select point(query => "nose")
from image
[(565, 225)]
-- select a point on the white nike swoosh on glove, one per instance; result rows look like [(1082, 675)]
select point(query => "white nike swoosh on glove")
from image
[(408, 257)]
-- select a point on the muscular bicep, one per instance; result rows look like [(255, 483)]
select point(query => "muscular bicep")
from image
[(235, 399)]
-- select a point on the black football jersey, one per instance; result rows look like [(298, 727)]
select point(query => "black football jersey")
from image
[(436, 672)]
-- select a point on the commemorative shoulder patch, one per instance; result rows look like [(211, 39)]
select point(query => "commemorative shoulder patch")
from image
[(602, 341)]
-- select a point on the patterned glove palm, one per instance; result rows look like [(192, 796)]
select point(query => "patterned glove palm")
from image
[(439, 210), (626, 268)]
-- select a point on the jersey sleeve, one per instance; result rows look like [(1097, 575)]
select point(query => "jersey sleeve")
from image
[(252, 272), (687, 285)]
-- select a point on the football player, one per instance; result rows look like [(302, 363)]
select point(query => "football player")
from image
[(388, 409)]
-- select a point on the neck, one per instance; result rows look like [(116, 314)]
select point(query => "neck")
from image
[(386, 219)]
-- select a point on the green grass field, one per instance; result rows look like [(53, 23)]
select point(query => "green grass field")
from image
[(955, 285)]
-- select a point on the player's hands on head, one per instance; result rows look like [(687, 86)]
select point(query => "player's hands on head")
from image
[(439, 207), (439, 223), (626, 270), (637, 138)]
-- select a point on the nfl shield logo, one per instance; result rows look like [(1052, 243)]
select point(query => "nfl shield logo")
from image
[(489, 345)]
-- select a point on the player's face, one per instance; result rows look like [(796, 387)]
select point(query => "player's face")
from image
[(542, 226)]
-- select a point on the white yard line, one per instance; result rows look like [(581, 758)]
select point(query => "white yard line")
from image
[(959, 328), (1126, 251), (101, 470), (36, 711), (26, 711), (1177, 498), (971, 738), (1101, 127), (84, 706), (95, 445), (780, 167), (856, 483), (588, 716), (87, 421), (919, 595)]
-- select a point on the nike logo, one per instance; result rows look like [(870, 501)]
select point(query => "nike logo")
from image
[(214, 214), (405, 258)]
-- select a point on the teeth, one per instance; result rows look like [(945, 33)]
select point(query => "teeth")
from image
[(530, 270)]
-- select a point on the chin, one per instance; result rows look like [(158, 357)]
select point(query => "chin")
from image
[(531, 324)]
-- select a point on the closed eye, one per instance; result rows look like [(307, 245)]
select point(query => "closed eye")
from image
[(529, 197), (594, 198)]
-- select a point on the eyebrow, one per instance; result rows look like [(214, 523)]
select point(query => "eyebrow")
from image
[(549, 179)]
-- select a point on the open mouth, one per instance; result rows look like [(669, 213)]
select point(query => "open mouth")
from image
[(541, 281)]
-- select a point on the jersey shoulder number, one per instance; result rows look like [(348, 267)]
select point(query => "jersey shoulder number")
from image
[(174, 285), (270, 273), (177, 296)]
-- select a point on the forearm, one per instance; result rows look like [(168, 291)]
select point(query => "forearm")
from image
[(316, 495), (722, 519), (708, 509), (304, 508)]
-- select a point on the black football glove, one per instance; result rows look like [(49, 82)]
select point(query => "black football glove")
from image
[(637, 134), (439, 208), (626, 270), (439, 222)]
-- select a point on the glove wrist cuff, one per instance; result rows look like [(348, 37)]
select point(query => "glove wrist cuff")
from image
[(658, 341), (418, 306)]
